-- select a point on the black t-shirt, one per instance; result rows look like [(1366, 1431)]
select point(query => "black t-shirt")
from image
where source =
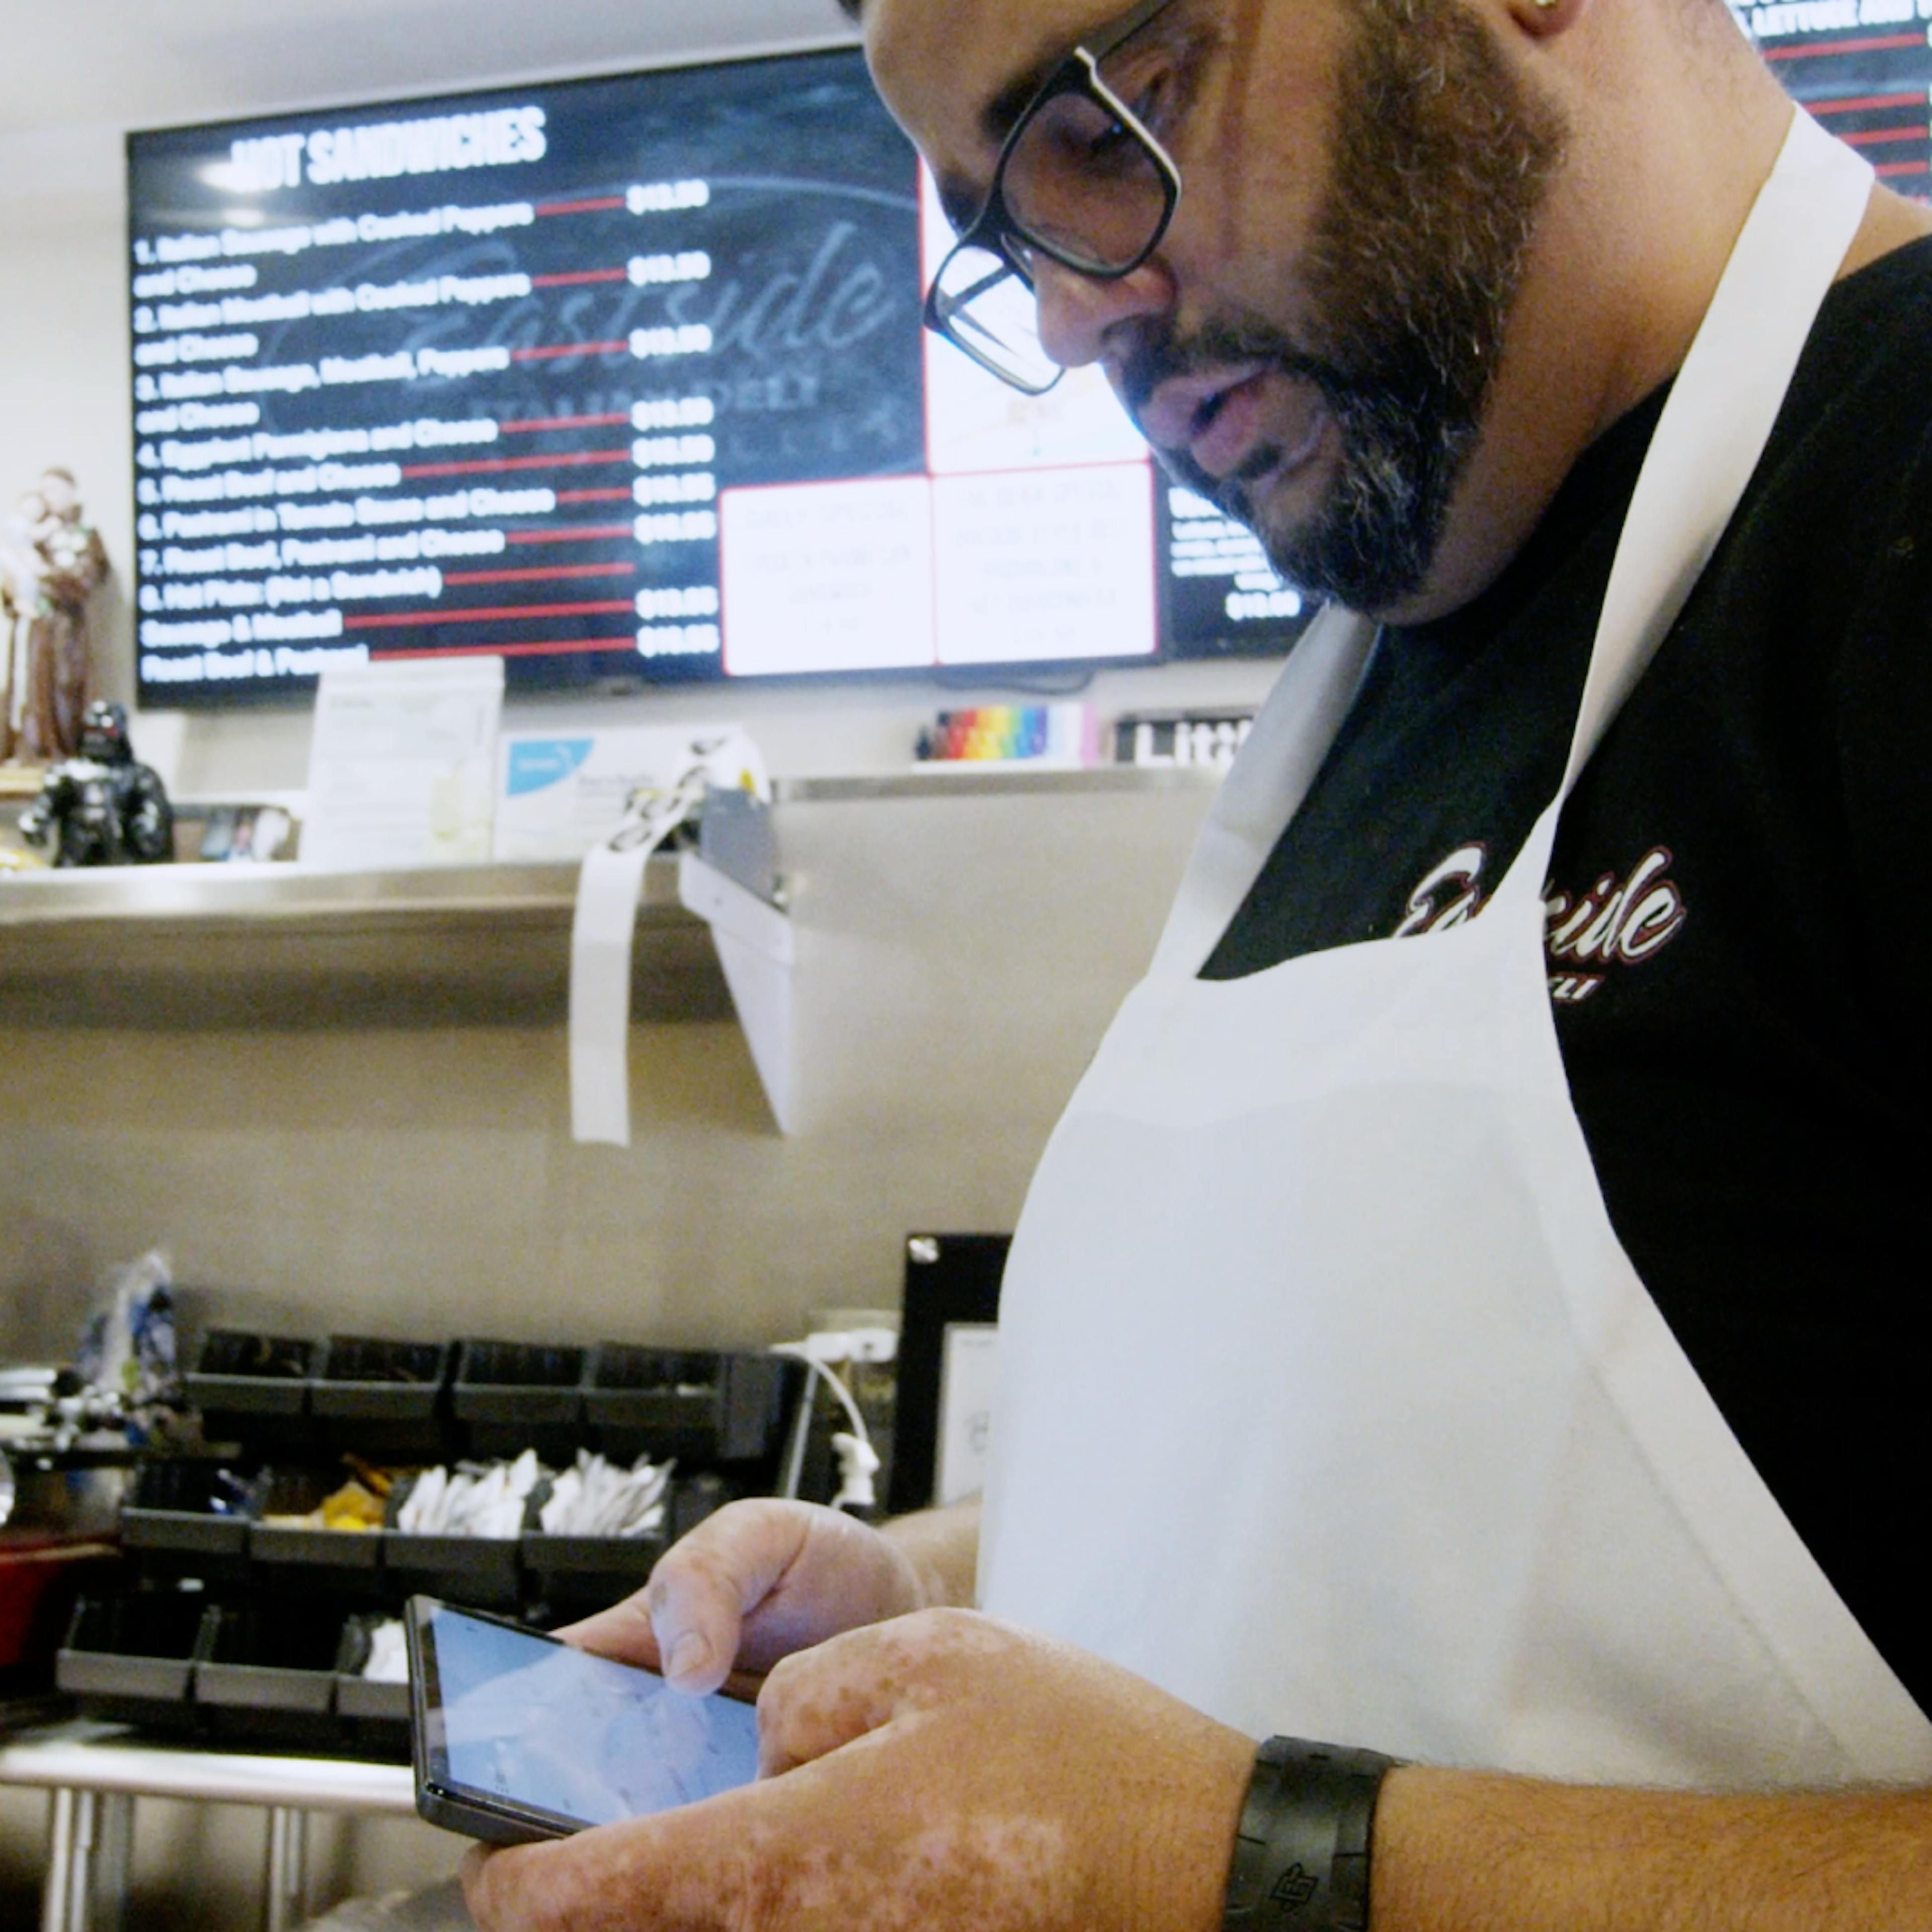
[(1740, 911)]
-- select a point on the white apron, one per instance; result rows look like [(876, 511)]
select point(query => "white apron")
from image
[(1330, 1401)]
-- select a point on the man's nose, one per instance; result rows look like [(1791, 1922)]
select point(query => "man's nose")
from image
[(1086, 318)]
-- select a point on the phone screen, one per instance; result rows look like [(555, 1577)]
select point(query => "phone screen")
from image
[(513, 1721)]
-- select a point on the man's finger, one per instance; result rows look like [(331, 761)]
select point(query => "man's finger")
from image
[(505, 1890), (812, 1703), (584, 1883), (818, 1700), (703, 1587), (690, 1870), (686, 1621), (622, 1632)]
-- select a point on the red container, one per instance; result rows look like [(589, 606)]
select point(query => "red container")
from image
[(40, 1574)]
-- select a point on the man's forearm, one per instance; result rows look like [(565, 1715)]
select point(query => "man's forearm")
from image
[(1468, 1852), (943, 1546)]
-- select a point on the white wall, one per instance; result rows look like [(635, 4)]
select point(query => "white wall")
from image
[(64, 396)]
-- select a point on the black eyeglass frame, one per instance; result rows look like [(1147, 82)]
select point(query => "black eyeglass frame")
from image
[(993, 231)]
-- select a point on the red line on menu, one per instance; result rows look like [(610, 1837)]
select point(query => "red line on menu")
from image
[(563, 422), (541, 571), (1888, 168), (593, 207), (577, 276), (410, 469), (1862, 103), (593, 496), (560, 349), (488, 614), (576, 533), (549, 647), (1871, 137), (1879, 43)]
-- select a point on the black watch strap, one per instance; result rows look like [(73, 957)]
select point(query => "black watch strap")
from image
[(1301, 1861)]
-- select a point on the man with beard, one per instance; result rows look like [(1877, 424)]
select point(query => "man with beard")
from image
[(1453, 1325)]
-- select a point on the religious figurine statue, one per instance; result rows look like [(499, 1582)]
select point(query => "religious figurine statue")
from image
[(19, 594), (50, 566), (102, 808)]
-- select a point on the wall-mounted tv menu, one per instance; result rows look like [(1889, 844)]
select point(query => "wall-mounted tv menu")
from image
[(622, 379), (1864, 69)]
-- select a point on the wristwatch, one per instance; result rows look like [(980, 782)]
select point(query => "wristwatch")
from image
[(1301, 1860)]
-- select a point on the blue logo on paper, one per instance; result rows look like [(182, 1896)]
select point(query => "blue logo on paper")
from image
[(537, 762)]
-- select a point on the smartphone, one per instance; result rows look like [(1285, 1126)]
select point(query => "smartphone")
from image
[(519, 1736)]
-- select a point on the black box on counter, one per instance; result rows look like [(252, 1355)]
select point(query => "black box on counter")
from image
[(696, 1404), (130, 1659), (513, 1396), (385, 1401), (254, 1387)]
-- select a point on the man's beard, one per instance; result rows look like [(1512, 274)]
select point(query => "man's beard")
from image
[(1439, 164)]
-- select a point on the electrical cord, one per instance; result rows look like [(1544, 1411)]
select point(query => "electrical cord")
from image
[(858, 1460)]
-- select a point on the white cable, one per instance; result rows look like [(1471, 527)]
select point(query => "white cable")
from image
[(858, 1460)]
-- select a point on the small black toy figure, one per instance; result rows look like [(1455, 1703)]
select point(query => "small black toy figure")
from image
[(102, 808)]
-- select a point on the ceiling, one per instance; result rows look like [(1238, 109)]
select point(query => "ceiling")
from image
[(78, 73)]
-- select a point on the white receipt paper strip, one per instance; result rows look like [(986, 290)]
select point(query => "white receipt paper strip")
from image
[(608, 890)]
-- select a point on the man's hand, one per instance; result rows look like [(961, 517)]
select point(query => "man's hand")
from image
[(761, 1579), (941, 1769)]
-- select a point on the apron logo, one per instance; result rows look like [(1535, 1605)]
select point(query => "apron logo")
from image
[(1614, 922), (1617, 921), (1445, 894)]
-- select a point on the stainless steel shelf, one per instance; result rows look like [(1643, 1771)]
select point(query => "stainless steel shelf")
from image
[(992, 779), (294, 946), (285, 947), (206, 894)]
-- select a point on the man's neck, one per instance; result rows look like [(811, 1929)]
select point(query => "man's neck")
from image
[(1674, 125)]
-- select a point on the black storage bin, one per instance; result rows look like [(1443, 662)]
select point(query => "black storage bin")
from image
[(698, 1404), (374, 1717), (269, 1674), (588, 1572), (385, 1401), (481, 1571), (188, 1515), (509, 1397), (253, 1388), (128, 1659), (305, 1559)]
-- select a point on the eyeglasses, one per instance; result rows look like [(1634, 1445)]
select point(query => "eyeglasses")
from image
[(1080, 181)]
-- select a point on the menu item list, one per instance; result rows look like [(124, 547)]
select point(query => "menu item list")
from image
[(446, 382)]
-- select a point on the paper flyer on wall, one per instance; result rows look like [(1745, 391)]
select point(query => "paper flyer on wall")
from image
[(403, 763)]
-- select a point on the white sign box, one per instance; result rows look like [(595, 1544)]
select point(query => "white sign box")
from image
[(827, 576), (1036, 563), (558, 793)]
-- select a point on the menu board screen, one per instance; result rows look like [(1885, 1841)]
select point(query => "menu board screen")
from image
[(622, 379), (1864, 69)]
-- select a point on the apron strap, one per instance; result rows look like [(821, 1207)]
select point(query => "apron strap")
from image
[(1719, 415), (1714, 428), (1264, 790)]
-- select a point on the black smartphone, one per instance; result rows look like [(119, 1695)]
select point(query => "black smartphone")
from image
[(519, 1736)]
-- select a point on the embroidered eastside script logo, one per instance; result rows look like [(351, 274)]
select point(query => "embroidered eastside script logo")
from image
[(1618, 922)]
